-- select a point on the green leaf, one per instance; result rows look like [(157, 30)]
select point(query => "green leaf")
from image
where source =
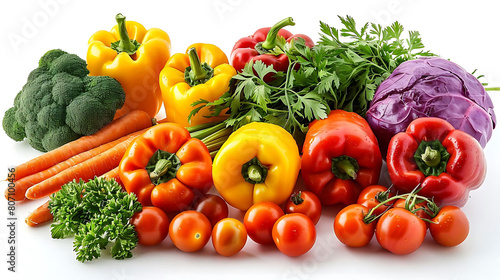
[(262, 69)]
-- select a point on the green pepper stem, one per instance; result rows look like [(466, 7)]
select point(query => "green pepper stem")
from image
[(431, 157), (346, 167), (161, 168), (198, 72), (125, 44), (255, 173), (270, 41)]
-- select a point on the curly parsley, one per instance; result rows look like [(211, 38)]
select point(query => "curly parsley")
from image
[(97, 213)]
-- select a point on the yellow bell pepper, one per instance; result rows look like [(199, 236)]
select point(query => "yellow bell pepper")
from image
[(258, 162), (133, 56), (203, 72)]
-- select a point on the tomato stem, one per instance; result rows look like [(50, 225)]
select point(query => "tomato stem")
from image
[(410, 202)]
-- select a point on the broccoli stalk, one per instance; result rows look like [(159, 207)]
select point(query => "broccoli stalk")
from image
[(60, 103)]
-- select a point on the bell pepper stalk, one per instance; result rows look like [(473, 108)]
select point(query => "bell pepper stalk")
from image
[(133, 56), (164, 159), (202, 73), (340, 157), (446, 163), (258, 162), (263, 44)]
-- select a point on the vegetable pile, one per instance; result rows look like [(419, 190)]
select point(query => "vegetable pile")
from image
[(281, 106)]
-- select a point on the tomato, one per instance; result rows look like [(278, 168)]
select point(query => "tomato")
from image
[(400, 203), (212, 206), (372, 196), (259, 221), (190, 231), (151, 225), (304, 202), (229, 236), (294, 234), (450, 227), (400, 231), (172, 196), (350, 228)]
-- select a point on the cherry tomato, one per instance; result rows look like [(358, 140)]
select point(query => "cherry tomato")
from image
[(450, 227), (350, 228), (151, 225), (372, 196), (304, 202), (172, 196), (229, 236), (294, 234), (212, 206), (259, 221), (190, 231), (400, 231), (400, 203)]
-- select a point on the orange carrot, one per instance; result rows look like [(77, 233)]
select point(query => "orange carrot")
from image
[(95, 166), (113, 174), (40, 216), (129, 123), (26, 182)]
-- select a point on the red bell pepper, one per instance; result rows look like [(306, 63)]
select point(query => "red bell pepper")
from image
[(447, 163), (260, 45), (340, 157)]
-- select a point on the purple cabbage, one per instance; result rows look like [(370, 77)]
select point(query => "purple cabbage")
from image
[(434, 87)]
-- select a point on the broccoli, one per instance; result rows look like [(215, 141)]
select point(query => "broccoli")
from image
[(60, 103)]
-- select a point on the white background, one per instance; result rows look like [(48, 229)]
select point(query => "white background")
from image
[(468, 34)]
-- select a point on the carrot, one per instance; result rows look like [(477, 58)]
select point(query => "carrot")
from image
[(39, 216), (129, 123), (113, 174), (95, 166), (26, 182)]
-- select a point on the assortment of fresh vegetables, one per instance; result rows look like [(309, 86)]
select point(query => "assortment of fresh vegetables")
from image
[(59, 103), (134, 56), (284, 106)]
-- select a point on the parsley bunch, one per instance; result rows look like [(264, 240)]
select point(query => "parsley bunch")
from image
[(342, 71), (96, 213)]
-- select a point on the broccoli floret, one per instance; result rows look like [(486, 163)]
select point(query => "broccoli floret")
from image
[(60, 102), (35, 134), (59, 136), (66, 88), (13, 129)]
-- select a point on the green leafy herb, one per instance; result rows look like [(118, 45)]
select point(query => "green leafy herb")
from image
[(96, 213), (342, 71)]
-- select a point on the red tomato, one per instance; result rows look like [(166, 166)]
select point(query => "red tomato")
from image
[(151, 225), (190, 231), (172, 196), (259, 221), (229, 236), (294, 234), (400, 231), (304, 202), (350, 228), (450, 227), (369, 197), (212, 206)]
